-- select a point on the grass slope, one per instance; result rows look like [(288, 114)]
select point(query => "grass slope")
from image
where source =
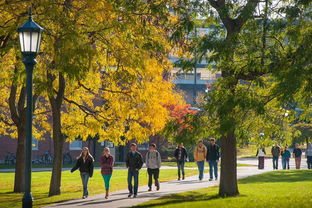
[(278, 189), (71, 185)]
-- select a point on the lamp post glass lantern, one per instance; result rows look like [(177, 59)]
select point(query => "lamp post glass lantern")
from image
[(30, 38)]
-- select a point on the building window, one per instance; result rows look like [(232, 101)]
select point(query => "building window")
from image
[(75, 145), (34, 145), (107, 143), (143, 146)]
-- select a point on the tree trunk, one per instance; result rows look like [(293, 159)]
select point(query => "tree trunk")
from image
[(58, 137), (228, 180), (19, 181), (58, 144)]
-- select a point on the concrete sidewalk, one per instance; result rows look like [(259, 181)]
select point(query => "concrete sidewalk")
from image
[(120, 199)]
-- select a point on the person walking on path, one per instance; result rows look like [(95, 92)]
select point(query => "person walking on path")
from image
[(107, 164), (276, 151), (180, 154), (134, 162), (85, 165), (297, 153), (309, 155), (213, 155), (261, 154), (200, 153), (153, 161), (285, 158)]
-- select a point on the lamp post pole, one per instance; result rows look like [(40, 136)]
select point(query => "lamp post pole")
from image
[(29, 62), (30, 37)]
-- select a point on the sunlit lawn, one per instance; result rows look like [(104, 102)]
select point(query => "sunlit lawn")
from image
[(71, 185), (278, 189)]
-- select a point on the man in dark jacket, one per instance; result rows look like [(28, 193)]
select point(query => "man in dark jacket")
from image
[(180, 154), (134, 162), (213, 155), (276, 152)]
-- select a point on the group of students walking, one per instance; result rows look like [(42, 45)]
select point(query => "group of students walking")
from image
[(211, 154), (277, 151), (134, 162)]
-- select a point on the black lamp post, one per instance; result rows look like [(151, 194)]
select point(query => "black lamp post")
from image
[(30, 37)]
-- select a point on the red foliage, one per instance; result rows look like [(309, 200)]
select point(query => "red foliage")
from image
[(179, 114)]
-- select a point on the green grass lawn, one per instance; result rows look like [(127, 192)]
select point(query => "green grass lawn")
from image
[(278, 189), (172, 164), (71, 185)]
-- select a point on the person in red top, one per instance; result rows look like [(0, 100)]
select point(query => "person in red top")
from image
[(107, 163)]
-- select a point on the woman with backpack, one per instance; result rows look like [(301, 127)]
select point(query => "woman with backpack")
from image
[(85, 165), (107, 164)]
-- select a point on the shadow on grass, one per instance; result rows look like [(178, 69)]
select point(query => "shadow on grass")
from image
[(180, 198), (279, 176)]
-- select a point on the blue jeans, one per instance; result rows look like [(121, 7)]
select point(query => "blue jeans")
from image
[(201, 166), (85, 179), (275, 162), (213, 167), (135, 175), (181, 168), (285, 163)]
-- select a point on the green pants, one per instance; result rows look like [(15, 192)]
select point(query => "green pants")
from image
[(106, 178)]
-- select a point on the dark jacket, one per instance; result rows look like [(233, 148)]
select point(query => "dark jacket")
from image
[(84, 166), (134, 161), (297, 152), (213, 152), (107, 164), (183, 154), (276, 151)]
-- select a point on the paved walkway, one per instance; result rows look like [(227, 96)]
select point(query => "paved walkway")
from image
[(119, 198)]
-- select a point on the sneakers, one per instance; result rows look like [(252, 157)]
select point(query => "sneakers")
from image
[(157, 188), (183, 178), (149, 189), (210, 179), (135, 196), (216, 178), (129, 195), (179, 179)]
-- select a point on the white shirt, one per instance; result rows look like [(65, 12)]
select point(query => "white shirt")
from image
[(261, 153)]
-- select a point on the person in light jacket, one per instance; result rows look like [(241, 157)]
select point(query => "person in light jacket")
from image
[(85, 165), (261, 155), (200, 153), (153, 161)]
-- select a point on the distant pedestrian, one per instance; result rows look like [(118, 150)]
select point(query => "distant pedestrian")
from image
[(200, 153), (285, 157), (309, 155), (213, 155), (153, 162), (134, 162), (107, 164), (261, 155), (297, 153), (85, 165), (180, 154), (276, 151)]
